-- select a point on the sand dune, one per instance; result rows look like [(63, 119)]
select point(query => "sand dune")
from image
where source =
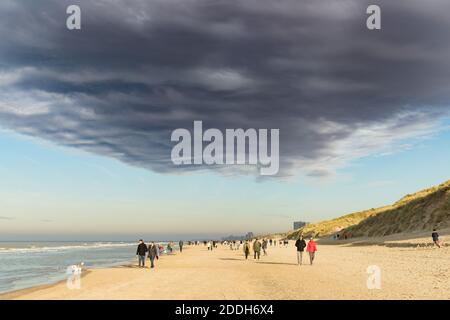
[(418, 212), (407, 272)]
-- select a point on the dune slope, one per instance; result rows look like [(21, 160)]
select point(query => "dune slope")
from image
[(420, 211)]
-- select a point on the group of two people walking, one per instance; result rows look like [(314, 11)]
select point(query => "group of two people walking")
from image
[(311, 248), (153, 253), (257, 247)]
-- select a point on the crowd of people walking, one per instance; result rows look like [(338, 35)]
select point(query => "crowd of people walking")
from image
[(300, 244), (258, 246), (153, 251)]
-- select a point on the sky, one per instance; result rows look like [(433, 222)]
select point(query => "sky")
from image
[(86, 115)]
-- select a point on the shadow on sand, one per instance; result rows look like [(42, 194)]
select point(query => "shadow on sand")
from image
[(232, 259), (380, 244), (129, 266), (395, 245), (283, 263), (261, 262)]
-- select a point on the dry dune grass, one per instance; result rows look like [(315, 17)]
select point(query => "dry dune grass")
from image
[(423, 210)]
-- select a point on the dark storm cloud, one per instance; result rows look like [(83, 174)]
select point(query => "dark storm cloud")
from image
[(139, 69)]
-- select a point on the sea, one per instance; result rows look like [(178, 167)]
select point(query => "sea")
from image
[(28, 264)]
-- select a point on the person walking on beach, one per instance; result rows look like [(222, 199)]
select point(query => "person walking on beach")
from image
[(264, 247), (159, 249), (246, 249), (152, 254), (169, 247), (311, 249), (180, 244), (300, 244), (209, 245), (140, 252), (435, 237), (257, 248)]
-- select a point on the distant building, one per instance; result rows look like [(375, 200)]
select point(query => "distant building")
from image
[(299, 224), (233, 238), (249, 236)]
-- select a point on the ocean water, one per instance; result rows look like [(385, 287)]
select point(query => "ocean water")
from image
[(27, 264)]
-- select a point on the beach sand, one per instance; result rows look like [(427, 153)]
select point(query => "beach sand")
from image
[(339, 272)]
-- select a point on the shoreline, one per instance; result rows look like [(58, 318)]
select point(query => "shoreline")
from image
[(87, 270), (8, 295)]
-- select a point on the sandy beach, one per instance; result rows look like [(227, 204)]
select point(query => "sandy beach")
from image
[(339, 272)]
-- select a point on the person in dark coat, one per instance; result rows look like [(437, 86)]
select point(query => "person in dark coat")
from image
[(246, 249), (140, 252), (180, 245), (152, 254), (257, 249), (435, 237), (301, 245), (264, 247)]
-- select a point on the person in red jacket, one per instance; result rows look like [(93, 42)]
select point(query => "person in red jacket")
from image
[(311, 249)]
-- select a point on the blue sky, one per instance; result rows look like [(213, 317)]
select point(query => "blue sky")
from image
[(52, 192)]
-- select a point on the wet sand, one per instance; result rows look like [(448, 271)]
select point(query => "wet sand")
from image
[(339, 272)]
